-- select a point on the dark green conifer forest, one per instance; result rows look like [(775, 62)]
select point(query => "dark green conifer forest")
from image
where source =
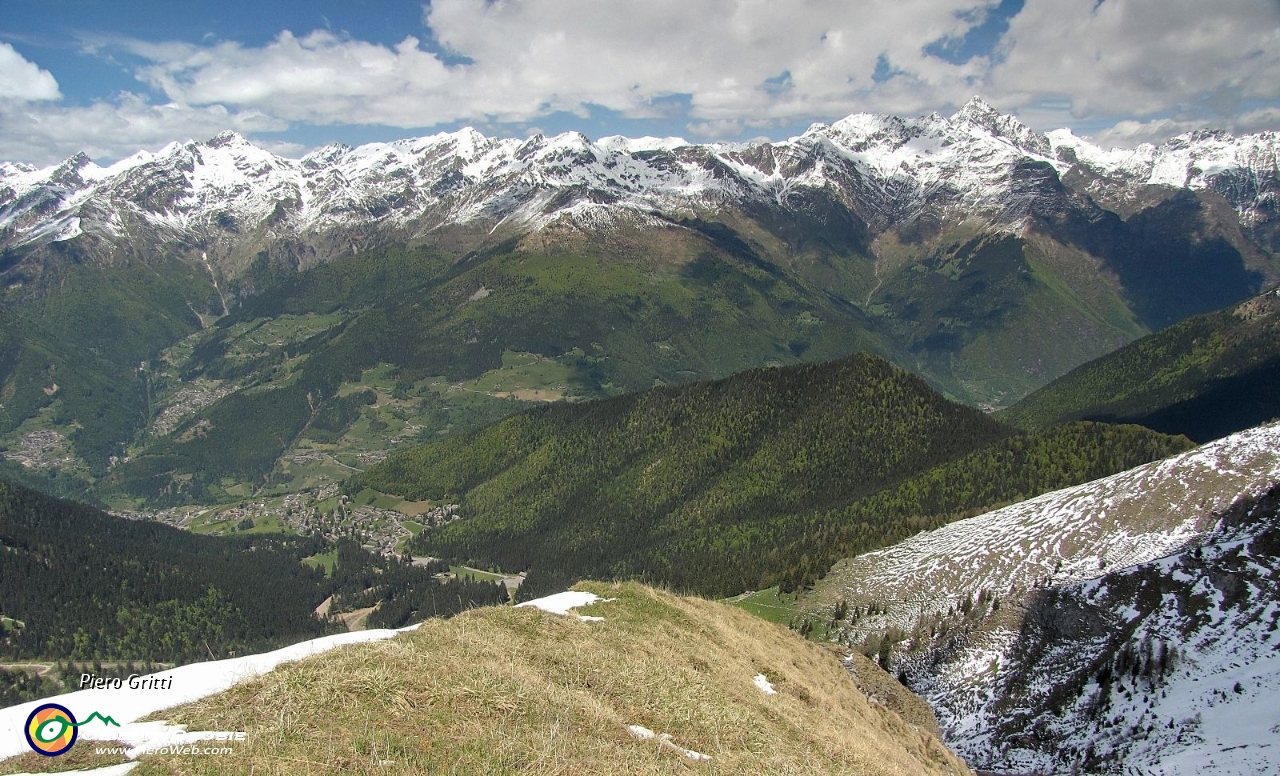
[(1206, 377), (764, 478), (77, 583), (87, 585)]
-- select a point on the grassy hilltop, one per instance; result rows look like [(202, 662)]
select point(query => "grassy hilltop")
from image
[(502, 690)]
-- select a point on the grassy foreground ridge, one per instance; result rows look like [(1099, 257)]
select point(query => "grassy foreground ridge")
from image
[(502, 690)]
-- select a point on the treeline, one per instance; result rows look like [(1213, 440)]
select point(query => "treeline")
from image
[(1005, 472), (766, 477), (1206, 377), (87, 585)]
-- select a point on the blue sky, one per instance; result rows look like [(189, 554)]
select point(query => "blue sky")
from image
[(110, 77)]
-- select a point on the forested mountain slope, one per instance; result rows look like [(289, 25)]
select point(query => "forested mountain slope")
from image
[(88, 585), (1205, 377), (79, 584), (761, 478)]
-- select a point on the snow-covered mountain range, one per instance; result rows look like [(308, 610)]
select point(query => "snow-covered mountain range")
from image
[(219, 196), (1125, 623)]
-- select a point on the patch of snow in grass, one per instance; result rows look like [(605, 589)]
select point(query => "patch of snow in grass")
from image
[(765, 686), (561, 603), (645, 734)]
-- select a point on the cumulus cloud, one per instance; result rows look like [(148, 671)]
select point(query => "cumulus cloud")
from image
[(736, 64), (735, 60), (24, 80), (520, 60), (1129, 133), (1258, 120), (1139, 58), (718, 68), (318, 78), (44, 133)]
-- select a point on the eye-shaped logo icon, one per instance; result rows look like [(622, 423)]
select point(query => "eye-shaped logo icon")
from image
[(51, 729)]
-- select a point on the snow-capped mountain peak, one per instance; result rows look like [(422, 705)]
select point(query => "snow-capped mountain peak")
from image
[(980, 116), (883, 168)]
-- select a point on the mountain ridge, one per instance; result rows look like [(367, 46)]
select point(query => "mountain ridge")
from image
[(741, 483), (885, 163), (1005, 621)]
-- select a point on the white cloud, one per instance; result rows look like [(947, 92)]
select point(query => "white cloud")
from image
[(715, 129), (319, 78), (1129, 133), (110, 129), (1136, 58), (1258, 120), (526, 59), (24, 80), (283, 148), (717, 68), (624, 55)]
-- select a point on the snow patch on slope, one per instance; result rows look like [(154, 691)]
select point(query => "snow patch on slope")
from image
[(764, 684), (1067, 535), (561, 603), (664, 740)]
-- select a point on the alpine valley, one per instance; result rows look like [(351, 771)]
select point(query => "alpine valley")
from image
[(211, 320), (988, 414)]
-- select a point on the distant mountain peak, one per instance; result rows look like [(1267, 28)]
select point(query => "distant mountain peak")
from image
[(976, 110), (225, 139), (978, 113)]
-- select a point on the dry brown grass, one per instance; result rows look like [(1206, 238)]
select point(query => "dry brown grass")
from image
[(506, 690)]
